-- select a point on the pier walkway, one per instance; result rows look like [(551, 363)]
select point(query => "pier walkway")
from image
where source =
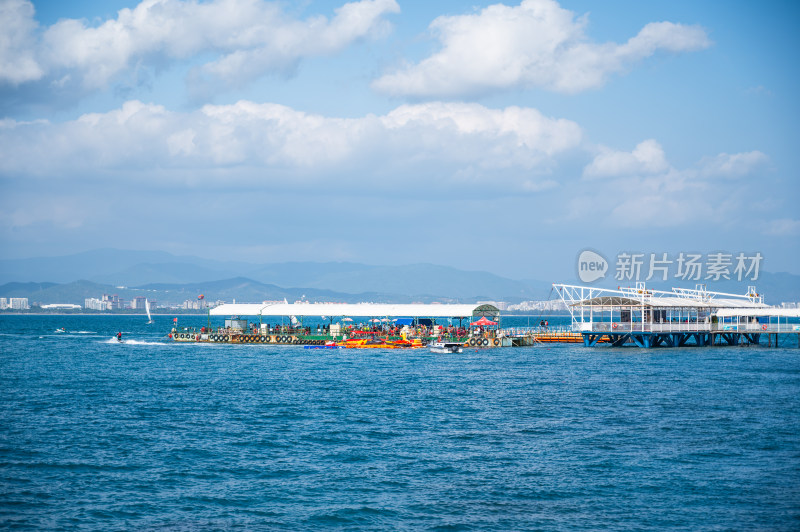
[(650, 318)]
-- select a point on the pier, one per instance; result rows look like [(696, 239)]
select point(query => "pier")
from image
[(638, 317), (383, 325), (682, 317)]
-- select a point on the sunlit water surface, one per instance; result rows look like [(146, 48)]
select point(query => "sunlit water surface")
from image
[(147, 434)]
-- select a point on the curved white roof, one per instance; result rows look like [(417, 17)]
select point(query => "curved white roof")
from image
[(353, 309), (759, 312), (587, 296), (667, 302)]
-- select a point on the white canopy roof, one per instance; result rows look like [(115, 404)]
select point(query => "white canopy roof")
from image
[(356, 309), (668, 302)]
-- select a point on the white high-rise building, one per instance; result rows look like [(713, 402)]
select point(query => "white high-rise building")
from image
[(19, 303), (95, 304), (3, 303)]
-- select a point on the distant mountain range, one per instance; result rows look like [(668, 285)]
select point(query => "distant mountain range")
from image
[(171, 279), (238, 288)]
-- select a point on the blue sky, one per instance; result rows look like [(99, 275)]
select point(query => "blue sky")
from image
[(500, 137)]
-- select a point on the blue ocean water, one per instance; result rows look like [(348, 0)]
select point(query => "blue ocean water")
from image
[(147, 434)]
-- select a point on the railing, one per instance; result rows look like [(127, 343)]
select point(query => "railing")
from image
[(626, 327), (532, 331), (670, 327), (759, 327)]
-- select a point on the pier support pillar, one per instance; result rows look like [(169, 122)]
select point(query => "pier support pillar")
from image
[(642, 340), (752, 338), (590, 340), (731, 338)]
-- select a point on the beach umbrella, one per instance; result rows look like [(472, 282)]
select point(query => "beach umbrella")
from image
[(483, 321)]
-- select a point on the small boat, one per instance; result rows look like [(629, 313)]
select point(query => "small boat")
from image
[(445, 347), (61, 330)]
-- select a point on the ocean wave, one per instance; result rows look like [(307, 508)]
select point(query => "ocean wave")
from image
[(113, 340)]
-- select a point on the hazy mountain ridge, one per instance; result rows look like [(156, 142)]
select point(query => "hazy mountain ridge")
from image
[(328, 279), (240, 289), (173, 279)]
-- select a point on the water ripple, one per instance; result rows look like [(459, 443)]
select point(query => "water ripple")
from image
[(158, 436)]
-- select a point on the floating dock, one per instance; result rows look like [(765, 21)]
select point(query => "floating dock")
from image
[(634, 316), (387, 326)]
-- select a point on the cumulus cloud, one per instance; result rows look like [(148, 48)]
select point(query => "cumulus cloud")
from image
[(733, 165), (267, 144), (18, 62), (647, 158), (535, 44), (246, 38), (641, 189)]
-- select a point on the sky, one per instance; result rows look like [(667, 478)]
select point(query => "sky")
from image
[(505, 137)]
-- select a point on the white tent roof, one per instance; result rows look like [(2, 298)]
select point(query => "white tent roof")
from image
[(668, 302), (356, 309)]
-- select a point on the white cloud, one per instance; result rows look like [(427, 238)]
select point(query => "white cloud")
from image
[(641, 189), (432, 144), (647, 158), (660, 210), (17, 57), (536, 44), (526, 128), (783, 227), (250, 38), (182, 142), (56, 210), (733, 165)]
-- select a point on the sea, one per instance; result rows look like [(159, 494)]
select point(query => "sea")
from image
[(147, 434)]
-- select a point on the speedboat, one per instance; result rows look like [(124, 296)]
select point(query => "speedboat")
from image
[(445, 347)]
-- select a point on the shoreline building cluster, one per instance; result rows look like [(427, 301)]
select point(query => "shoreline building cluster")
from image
[(107, 302), (549, 306), (198, 304), (114, 302), (14, 303)]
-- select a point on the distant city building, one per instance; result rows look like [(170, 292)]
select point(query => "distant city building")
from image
[(199, 304), (61, 306), (3, 303), (138, 302), (95, 304), (501, 305), (114, 302), (19, 303), (551, 305)]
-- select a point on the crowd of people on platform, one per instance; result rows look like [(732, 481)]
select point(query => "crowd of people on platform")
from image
[(362, 329)]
